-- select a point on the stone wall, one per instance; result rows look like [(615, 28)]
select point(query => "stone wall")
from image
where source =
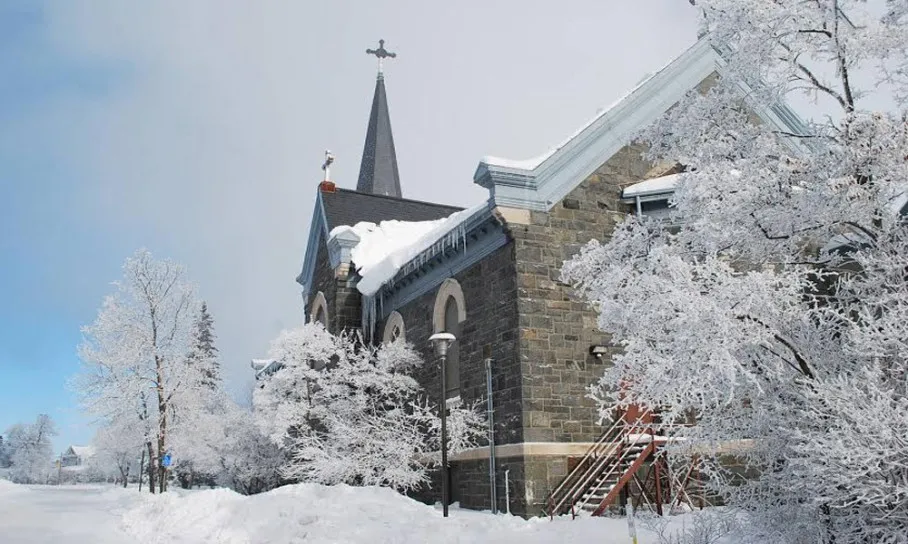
[(490, 292), (556, 329), (323, 280), (342, 298), (490, 330)]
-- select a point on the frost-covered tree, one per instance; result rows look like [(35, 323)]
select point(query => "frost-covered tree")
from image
[(352, 413), (30, 450), (192, 437), (247, 460), (134, 356), (118, 449), (776, 308), (4, 454)]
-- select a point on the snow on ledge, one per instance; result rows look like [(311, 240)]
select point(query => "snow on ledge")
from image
[(384, 248), (665, 184)]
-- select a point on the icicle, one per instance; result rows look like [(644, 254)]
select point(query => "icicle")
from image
[(368, 316)]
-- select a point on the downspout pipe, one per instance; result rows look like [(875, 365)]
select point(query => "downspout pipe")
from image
[(493, 492)]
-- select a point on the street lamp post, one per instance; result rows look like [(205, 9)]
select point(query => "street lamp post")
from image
[(441, 342)]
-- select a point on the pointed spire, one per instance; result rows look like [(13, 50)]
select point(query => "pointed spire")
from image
[(378, 171)]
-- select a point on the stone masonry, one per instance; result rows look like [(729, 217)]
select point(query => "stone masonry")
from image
[(538, 336), (557, 330), (343, 300)]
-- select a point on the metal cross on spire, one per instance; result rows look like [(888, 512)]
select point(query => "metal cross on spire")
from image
[(382, 54), (326, 166)]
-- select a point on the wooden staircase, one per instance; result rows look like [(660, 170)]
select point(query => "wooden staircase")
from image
[(608, 468)]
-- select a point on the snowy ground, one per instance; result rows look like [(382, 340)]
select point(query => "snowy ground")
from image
[(310, 513), (81, 514)]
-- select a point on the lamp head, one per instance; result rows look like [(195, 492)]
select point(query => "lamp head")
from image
[(441, 341)]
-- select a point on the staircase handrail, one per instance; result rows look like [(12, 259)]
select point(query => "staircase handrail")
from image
[(594, 450), (617, 462)]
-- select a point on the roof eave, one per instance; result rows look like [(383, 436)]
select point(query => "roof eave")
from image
[(318, 229)]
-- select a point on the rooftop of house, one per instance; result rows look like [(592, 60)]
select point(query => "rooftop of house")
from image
[(81, 451), (348, 207)]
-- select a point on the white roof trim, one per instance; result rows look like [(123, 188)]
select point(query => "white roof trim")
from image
[(523, 184)]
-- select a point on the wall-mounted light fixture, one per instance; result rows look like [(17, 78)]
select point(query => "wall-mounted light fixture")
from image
[(598, 351)]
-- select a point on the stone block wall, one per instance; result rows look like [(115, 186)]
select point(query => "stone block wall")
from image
[(490, 295), (342, 298), (556, 329), (323, 280), (490, 330)]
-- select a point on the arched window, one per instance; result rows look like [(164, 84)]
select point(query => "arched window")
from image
[(394, 328), (449, 315), (319, 313)]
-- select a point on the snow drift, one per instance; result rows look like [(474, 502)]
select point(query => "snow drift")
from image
[(8, 488), (344, 514)]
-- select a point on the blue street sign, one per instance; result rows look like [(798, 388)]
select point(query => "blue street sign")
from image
[(165, 461)]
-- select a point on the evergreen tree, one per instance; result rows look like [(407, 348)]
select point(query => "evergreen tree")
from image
[(203, 351)]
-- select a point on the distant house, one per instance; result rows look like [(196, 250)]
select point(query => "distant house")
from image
[(264, 367), (76, 456)]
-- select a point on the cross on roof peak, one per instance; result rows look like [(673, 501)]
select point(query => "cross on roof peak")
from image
[(381, 53)]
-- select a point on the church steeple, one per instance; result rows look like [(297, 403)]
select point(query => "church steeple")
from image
[(378, 171)]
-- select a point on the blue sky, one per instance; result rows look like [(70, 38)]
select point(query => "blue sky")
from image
[(49, 250), (196, 129)]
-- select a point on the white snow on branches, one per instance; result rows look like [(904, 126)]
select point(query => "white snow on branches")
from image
[(735, 316), (352, 413)]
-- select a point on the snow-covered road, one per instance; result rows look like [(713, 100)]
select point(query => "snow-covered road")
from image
[(70, 514)]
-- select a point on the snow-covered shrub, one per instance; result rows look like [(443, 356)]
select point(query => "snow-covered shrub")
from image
[(352, 413), (714, 526)]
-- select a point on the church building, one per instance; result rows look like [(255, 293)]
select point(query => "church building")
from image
[(490, 275)]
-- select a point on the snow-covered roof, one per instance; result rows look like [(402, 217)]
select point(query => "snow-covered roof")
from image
[(259, 364), (264, 367), (386, 247), (82, 451), (664, 184), (530, 164)]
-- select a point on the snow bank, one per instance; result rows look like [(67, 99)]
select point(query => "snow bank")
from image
[(344, 514), (384, 248), (8, 488)]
